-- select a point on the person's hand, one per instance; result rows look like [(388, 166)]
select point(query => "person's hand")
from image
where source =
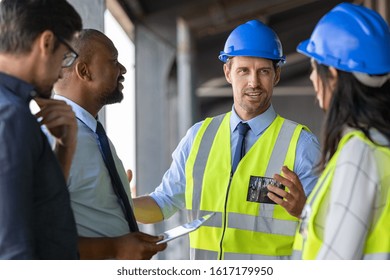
[(61, 122), (59, 119), (294, 199), (129, 174), (133, 189), (137, 246)]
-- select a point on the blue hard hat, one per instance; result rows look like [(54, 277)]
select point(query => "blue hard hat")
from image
[(351, 38), (253, 38)]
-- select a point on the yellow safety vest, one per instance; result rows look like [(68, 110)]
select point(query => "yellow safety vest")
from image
[(240, 229), (377, 244)]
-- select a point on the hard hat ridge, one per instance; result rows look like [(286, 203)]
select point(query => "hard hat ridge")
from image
[(351, 38), (255, 39)]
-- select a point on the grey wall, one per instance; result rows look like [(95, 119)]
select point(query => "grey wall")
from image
[(154, 59), (301, 109), (156, 124), (91, 11)]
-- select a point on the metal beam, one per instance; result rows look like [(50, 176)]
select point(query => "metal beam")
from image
[(135, 7), (221, 17), (122, 18)]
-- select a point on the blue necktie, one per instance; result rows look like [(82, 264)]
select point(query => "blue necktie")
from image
[(240, 148), (115, 179)]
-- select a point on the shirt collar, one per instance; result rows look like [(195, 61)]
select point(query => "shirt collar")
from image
[(82, 114), (258, 124), (20, 88)]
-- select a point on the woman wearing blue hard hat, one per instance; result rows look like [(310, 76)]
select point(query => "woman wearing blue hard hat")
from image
[(347, 216)]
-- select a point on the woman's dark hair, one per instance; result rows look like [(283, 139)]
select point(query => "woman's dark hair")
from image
[(21, 22), (352, 105)]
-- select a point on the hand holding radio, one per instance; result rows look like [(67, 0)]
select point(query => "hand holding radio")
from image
[(293, 199)]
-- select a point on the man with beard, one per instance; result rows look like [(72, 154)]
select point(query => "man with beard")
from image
[(221, 159), (106, 229)]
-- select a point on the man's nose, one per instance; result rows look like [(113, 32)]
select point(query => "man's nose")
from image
[(123, 69), (253, 80)]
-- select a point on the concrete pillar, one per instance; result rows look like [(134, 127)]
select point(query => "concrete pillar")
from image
[(154, 123), (184, 76), (384, 9), (381, 6)]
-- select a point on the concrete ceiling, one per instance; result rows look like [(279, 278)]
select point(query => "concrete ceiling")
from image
[(211, 21)]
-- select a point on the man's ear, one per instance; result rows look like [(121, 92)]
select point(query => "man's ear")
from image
[(277, 75), (46, 42), (226, 70), (82, 71)]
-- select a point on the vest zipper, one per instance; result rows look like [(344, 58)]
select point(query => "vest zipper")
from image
[(224, 217)]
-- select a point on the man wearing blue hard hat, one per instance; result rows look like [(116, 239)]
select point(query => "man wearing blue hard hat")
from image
[(347, 216), (227, 164)]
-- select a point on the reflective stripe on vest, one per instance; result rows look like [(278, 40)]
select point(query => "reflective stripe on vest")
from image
[(237, 256), (201, 160), (279, 151), (247, 223), (378, 256), (377, 242), (262, 224)]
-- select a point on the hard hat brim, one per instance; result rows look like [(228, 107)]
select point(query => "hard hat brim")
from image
[(302, 48), (224, 57)]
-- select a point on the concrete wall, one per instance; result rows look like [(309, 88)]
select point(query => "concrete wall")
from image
[(91, 11)]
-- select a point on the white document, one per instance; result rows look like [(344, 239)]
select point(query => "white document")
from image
[(184, 229)]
